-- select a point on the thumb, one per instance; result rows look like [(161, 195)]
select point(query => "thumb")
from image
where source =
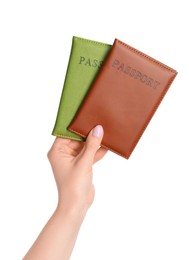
[(92, 143)]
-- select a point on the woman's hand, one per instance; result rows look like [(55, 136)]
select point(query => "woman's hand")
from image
[(71, 163)]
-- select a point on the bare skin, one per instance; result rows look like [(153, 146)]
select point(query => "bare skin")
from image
[(71, 163)]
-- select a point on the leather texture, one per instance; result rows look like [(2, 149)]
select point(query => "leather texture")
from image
[(123, 98), (86, 58)]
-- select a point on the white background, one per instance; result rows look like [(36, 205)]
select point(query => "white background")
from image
[(141, 208)]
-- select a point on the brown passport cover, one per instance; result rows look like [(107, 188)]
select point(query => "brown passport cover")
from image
[(123, 98)]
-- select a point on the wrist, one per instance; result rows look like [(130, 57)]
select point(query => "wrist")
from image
[(75, 213)]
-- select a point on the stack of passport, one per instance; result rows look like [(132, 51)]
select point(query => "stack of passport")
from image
[(116, 86)]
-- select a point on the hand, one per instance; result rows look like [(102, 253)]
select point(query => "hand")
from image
[(71, 163)]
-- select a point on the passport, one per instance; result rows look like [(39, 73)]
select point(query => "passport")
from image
[(86, 59), (123, 98)]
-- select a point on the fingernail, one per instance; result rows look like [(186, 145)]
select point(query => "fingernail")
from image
[(97, 131)]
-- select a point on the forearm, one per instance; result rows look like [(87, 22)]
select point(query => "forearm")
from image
[(71, 163), (57, 239)]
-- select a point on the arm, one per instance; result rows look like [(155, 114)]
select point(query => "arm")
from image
[(71, 163)]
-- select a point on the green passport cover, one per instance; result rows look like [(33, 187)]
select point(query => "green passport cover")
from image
[(86, 58)]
